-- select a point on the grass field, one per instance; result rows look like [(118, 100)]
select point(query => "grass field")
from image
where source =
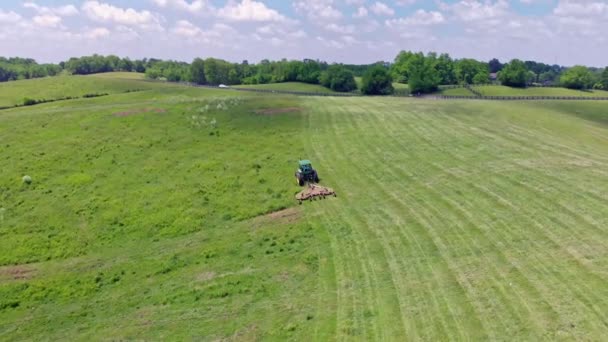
[(288, 86), (13, 93), (456, 92), (147, 219), (496, 90)]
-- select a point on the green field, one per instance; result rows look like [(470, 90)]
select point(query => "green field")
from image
[(288, 86), (461, 91), (496, 90), (13, 93), (168, 214)]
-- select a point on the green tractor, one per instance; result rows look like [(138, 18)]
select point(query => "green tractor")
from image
[(306, 174)]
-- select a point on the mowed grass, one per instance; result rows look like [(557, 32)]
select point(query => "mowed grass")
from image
[(454, 220), (463, 220), (461, 91), (12, 93), (288, 86), (496, 90)]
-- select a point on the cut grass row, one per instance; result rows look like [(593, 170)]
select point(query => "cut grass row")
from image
[(475, 223)]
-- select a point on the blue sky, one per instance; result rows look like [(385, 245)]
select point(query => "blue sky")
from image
[(566, 32)]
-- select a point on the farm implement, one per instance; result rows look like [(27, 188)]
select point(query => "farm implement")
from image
[(307, 176)]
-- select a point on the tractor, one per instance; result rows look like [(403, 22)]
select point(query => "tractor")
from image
[(305, 173)]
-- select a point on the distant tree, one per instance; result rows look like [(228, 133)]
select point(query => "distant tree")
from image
[(423, 77), (547, 77), (377, 81), (604, 79), (531, 77), (495, 65), (337, 78), (197, 71), (514, 74), (400, 68), (139, 66), (577, 77), (481, 77), (310, 72), (125, 64), (445, 69), (467, 69)]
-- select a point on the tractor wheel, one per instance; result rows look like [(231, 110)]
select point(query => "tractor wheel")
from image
[(300, 182), (316, 177)]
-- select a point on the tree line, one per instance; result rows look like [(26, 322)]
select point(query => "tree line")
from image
[(423, 73), (16, 68)]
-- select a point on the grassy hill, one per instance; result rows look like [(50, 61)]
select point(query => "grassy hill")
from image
[(13, 93), (497, 90), (288, 86), (169, 214)]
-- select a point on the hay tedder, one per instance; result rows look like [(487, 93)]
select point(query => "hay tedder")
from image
[(307, 176)]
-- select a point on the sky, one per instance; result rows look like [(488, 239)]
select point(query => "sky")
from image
[(565, 32)]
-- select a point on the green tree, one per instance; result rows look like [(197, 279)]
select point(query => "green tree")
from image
[(466, 70), (377, 81), (514, 74), (400, 68), (337, 78), (197, 71), (423, 77), (547, 77), (445, 69), (604, 79), (482, 77), (577, 77)]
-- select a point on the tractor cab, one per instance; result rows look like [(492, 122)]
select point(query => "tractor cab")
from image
[(305, 166), (306, 173)]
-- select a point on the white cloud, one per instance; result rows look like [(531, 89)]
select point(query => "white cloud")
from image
[(406, 2), (342, 29), (380, 8), (355, 2), (567, 8), (419, 18), (9, 17), (47, 20), (106, 13), (318, 9), (196, 6), (64, 11), (186, 29), (98, 32), (472, 10), (249, 10), (361, 13), (330, 43)]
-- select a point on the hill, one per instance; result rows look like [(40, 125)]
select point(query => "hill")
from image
[(13, 92), (497, 90), (169, 214)]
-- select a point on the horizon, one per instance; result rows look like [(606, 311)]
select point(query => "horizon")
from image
[(559, 32)]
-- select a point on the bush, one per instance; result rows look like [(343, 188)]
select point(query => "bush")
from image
[(337, 78), (27, 179), (29, 102), (95, 95), (577, 77), (514, 74), (377, 81)]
